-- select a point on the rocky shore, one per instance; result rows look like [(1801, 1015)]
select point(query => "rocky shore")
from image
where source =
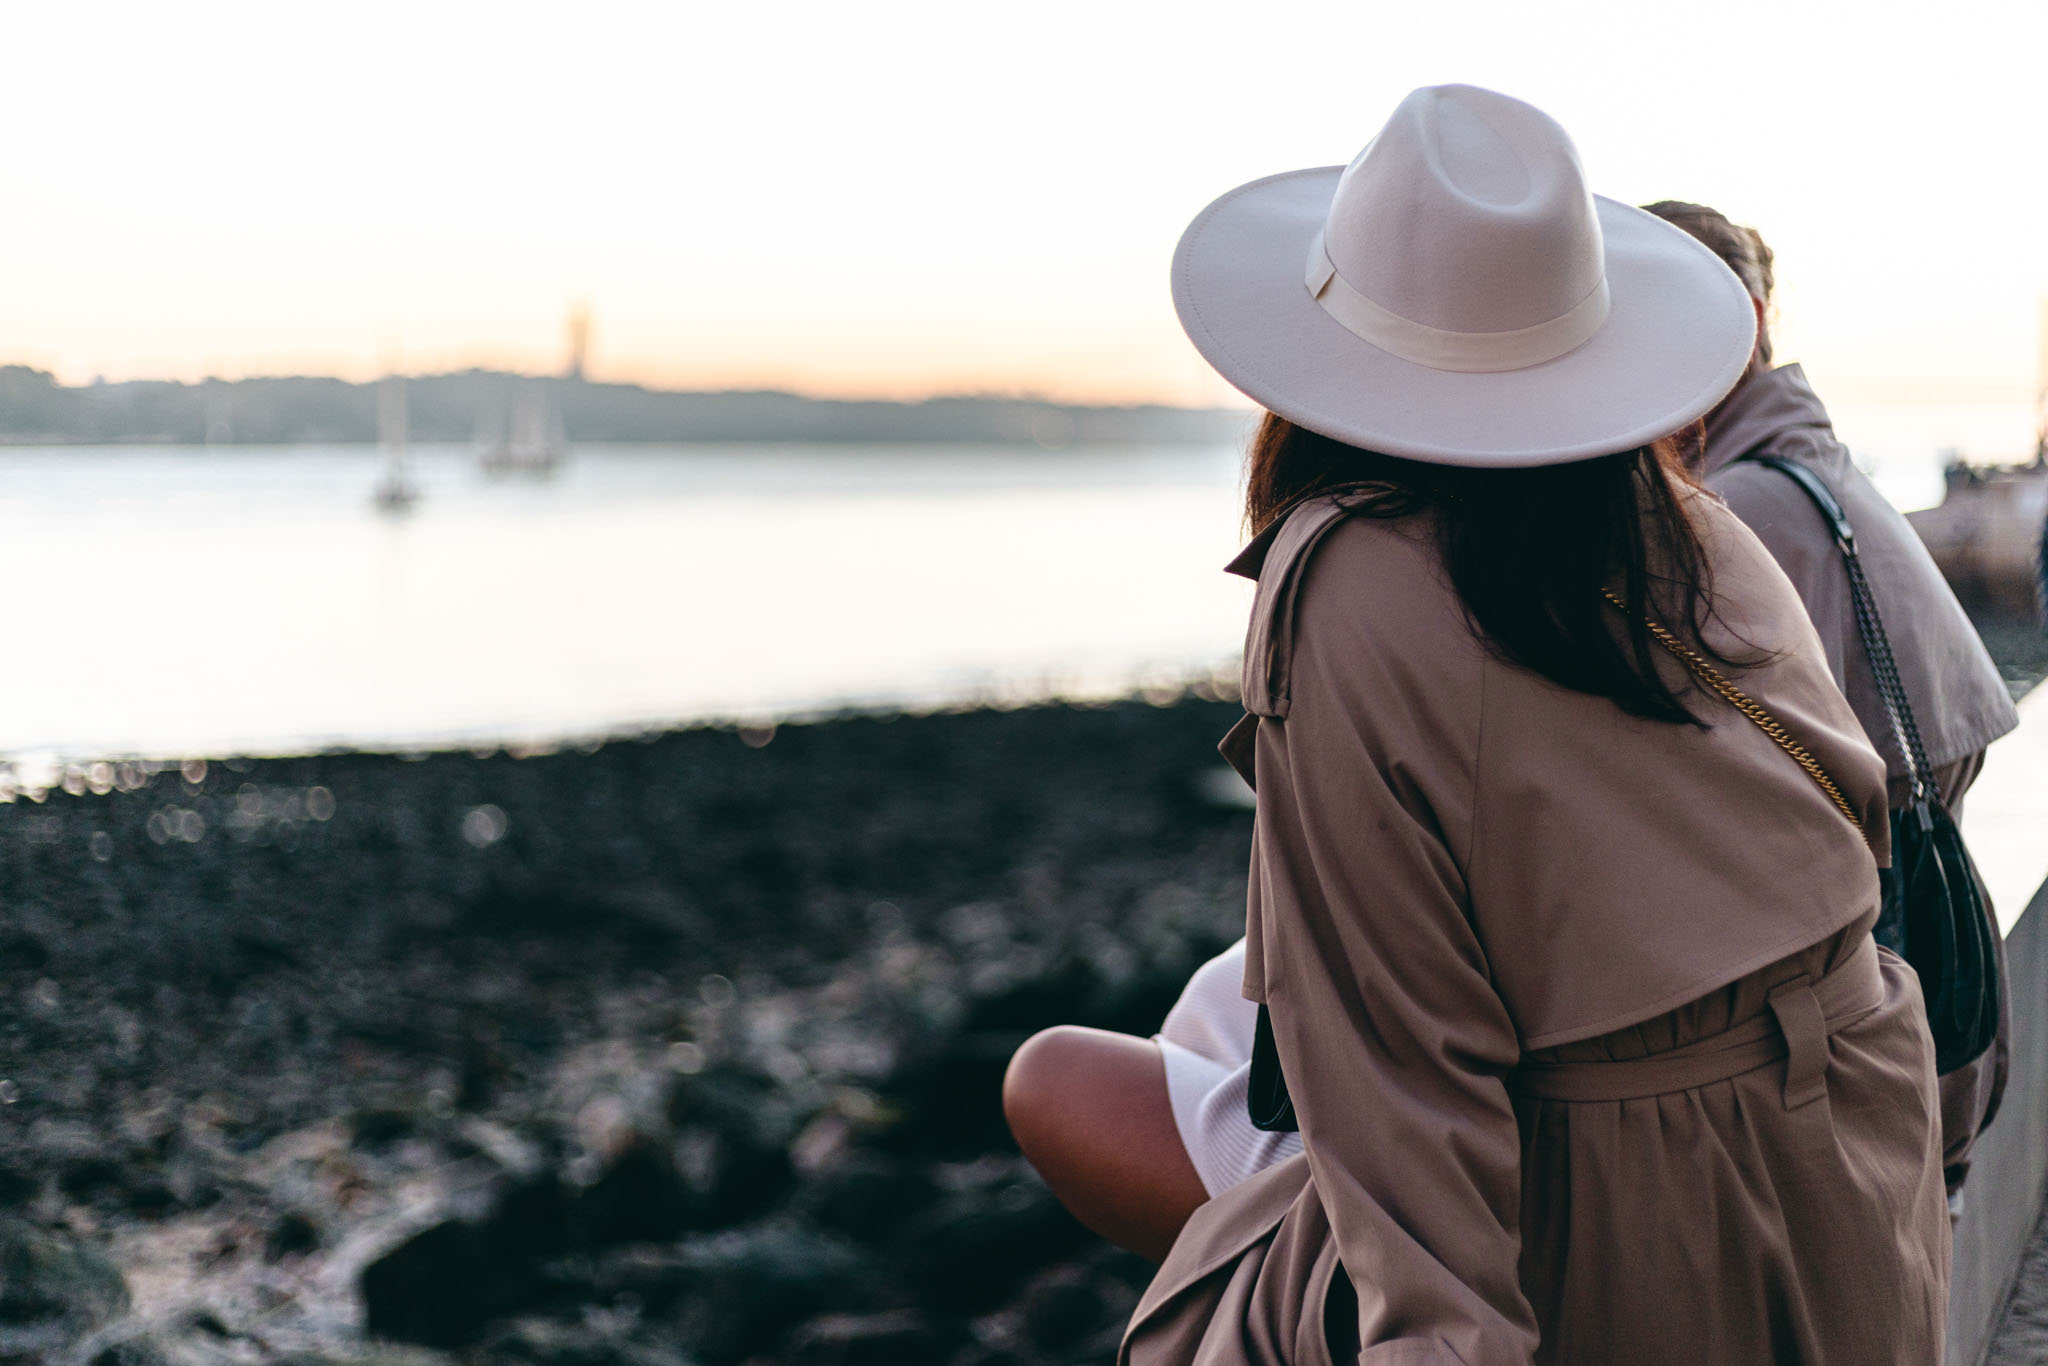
[(679, 1049), (682, 1048)]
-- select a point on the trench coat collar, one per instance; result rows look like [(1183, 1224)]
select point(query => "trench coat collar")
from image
[(1251, 561), (1764, 405)]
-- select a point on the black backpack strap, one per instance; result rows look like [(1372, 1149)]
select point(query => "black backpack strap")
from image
[(1877, 646)]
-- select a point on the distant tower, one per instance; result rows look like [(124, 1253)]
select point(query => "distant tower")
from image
[(579, 339)]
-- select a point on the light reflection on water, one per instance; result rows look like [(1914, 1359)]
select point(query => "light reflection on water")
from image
[(178, 601)]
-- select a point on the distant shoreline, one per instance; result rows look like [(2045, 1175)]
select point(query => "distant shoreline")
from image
[(467, 405)]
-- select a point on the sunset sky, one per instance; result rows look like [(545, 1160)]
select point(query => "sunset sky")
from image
[(902, 199)]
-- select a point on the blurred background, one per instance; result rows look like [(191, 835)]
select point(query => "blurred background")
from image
[(608, 604)]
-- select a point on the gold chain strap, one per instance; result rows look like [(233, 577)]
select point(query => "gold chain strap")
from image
[(1749, 707)]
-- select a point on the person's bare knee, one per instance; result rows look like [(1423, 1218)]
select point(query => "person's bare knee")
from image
[(1041, 1082), (1091, 1112)]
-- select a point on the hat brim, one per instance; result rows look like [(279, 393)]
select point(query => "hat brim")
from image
[(1678, 335)]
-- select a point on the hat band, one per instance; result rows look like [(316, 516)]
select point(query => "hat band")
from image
[(1464, 352)]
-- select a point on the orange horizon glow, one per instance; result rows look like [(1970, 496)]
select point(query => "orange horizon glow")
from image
[(914, 199)]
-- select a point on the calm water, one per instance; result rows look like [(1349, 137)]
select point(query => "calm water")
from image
[(191, 602), (169, 602)]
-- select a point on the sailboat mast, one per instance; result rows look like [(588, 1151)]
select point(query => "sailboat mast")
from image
[(391, 433)]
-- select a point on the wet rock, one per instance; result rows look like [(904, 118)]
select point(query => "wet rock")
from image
[(950, 1097), (1137, 1003), (1062, 1310), (84, 1177), (655, 1280), (150, 1197), (21, 951), (728, 1098), (870, 1197), (441, 1286), (16, 1187), (639, 1197), (735, 1129), (376, 1355), (193, 1184), (550, 1342), (376, 1127), (901, 900), (990, 1354), (752, 1285), (733, 1175), (292, 1234), (531, 1217), (1059, 995), (970, 1253), (901, 1338), (47, 1276), (1120, 1275), (135, 1351)]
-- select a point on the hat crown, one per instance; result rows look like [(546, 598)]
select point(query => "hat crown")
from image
[(1469, 213)]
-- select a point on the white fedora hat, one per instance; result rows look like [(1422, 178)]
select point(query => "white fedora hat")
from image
[(1457, 295)]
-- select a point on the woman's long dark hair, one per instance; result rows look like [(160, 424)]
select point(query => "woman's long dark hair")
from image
[(1530, 550)]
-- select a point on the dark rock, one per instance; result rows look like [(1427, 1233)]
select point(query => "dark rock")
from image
[(1126, 1271), (950, 1098), (46, 1275), (870, 1197), (150, 1197), (373, 1128), (944, 884), (135, 1351), (735, 1176), (902, 1338), (639, 1197), (294, 1234), (16, 1188), (1057, 996), (530, 1218), (21, 951), (989, 1354), (754, 1285), (193, 1185), (735, 1127), (653, 1278), (84, 1177), (1137, 1003), (207, 1322), (725, 1098), (971, 1253), (548, 1342), (1061, 1311), (441, 1286)]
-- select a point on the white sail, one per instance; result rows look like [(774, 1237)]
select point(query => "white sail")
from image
[(396, 490)]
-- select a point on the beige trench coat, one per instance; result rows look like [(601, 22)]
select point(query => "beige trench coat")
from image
[(1593, 1058)]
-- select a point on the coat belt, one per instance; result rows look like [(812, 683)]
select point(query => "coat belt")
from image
[(1801, 1014)]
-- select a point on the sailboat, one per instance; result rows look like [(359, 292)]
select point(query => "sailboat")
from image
[(531, 442), (396, 490)]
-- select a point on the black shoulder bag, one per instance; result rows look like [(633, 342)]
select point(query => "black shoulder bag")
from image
[(1271, 1108), (1935, 914)]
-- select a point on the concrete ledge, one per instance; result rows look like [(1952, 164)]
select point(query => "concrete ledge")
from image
[(2005, 820)]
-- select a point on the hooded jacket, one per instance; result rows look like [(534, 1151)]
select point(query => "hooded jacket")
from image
[(1958, 699)]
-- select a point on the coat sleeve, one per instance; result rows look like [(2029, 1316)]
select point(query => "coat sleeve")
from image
[(1393, 1042)]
